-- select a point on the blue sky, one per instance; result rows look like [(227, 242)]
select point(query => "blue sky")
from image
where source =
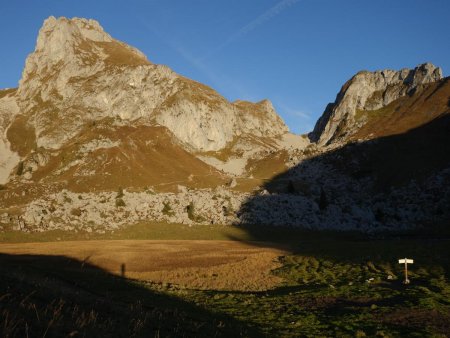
[(297, 53)]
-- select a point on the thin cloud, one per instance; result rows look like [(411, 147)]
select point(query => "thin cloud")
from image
[(252, 25), (300, 114), (218, 80), (295, 112)]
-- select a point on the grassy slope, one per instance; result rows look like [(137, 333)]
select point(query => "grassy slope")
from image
[(147, 156)]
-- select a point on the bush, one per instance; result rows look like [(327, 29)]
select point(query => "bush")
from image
[(119, 193), (228, 210), (76, 212), (120, 202), (167, 209), (190, 211), (20, 168)]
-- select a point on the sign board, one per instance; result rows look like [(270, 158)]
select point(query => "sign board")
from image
[(406, 261)]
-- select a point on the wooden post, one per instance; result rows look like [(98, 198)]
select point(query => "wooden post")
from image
[(406, 261)]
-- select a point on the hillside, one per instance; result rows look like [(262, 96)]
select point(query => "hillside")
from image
[(97, 137), (391, 172)]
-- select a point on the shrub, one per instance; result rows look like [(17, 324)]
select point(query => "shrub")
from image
[(119, 193), (190, 211), (20, 168), (167, 209), (76, 212), (120, 202), (228, 210)]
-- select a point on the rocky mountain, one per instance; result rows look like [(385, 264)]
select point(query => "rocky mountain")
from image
[(79, 78), (94, 114), (97, 137), (365, 92), (78, 73), (392, 173)]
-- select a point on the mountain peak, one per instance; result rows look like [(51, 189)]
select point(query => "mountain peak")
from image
[(78, 73), (77, 40), (370, 91), (60, 29)]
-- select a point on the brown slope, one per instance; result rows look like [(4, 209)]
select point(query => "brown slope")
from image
[(9, 91), (144, 156)]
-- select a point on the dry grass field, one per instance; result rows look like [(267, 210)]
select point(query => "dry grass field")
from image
[(213, 265), (222, 282)]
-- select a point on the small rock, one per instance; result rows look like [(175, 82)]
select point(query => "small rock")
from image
[(232, 183)]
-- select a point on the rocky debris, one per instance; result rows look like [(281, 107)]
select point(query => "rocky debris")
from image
[(232, 166), (368, 91), (96, 144), (235, 159), (32, 163), (401, 208), (71, 211), (182, 189), (232, 183), (351, 204)]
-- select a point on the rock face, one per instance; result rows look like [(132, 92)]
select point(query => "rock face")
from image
[(79, 73), (8, 157), (369, 91)]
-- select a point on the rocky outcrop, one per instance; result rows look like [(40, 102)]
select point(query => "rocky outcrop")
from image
[(369, 91), (8, 110), (402, 208), (79, 74)]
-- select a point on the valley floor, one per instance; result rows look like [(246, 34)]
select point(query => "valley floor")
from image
[(220, 281), (213, 265)]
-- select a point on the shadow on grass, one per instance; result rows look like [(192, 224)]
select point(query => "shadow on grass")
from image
[(56, 296)]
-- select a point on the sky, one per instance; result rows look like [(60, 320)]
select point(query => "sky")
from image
[(296, 53)]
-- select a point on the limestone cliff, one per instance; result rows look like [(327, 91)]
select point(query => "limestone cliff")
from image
[(79, 74), (9, 158), (369, 91)]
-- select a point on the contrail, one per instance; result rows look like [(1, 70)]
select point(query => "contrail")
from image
[(218, 80), (295, 112), (266, 16)]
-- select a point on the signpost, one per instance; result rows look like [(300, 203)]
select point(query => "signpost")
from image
[(406, 261)]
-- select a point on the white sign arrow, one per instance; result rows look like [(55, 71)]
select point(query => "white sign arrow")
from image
[(405, 261)]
